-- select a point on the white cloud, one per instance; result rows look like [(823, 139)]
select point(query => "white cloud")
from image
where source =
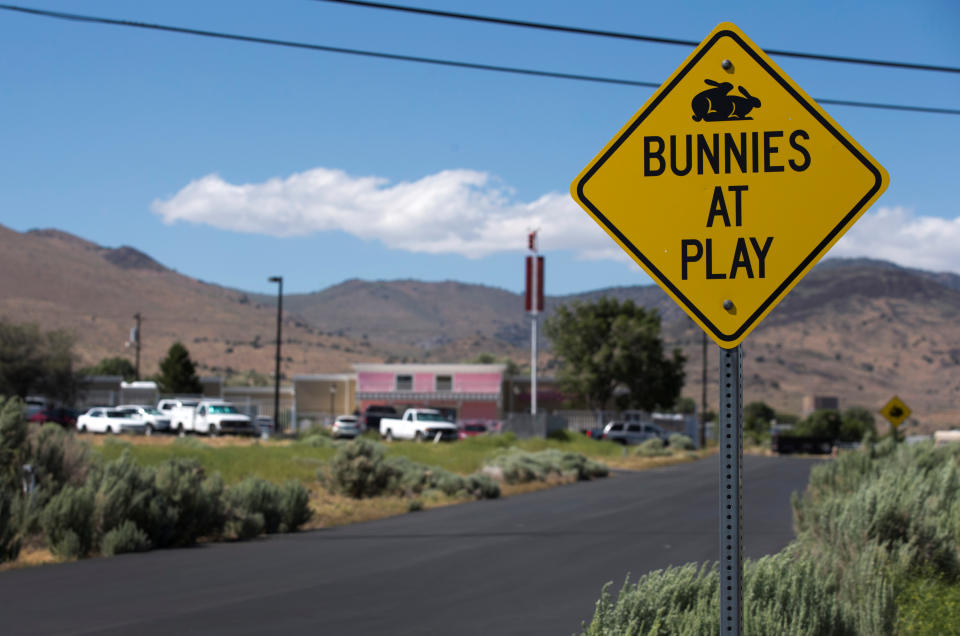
[(898, 235), (471, 213), (454, 211)]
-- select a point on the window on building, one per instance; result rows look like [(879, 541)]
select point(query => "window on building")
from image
[(444, 383), (404, 383)]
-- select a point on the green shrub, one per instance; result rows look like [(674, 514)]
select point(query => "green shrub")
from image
[(653, 447), (125, 492), (412, 478), (360, 470), (928, 606), (9, 526), (255, 496), (877, 538), (680, 442), (57, 457), (190, 504), (66, 521), (791, 592), (245, 525), (294, 506), (126, 537), (317, 441), (561, 435), (520, 467), (415, 505), (13, 435), (483, 486)]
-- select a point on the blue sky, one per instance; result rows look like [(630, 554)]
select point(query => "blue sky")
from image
[(231, 162)]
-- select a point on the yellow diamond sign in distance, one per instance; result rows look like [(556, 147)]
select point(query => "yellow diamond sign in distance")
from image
[(895, 411), (729, 185)]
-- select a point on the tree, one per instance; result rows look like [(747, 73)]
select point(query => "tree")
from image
[(178, 373), (757, 417), (822, 423), (685, 405), (511, 369), (609, 348), (37, 362), (857, 421), (112, 366)]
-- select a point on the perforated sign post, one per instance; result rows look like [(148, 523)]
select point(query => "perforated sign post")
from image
[(727, 187)]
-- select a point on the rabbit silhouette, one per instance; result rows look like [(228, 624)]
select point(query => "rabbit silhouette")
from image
[(709, 104), (715, 104), (743, 105)]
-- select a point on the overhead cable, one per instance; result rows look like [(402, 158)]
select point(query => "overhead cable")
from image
[(635, 36), (412, 58)]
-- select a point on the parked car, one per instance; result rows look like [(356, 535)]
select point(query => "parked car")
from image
[(103, 419), (629, 433), (264, 425), (594, 433), (419, 425), (214, 417), (345, 426), (62, 416), (473, 428), (152, 417), (374, 413)]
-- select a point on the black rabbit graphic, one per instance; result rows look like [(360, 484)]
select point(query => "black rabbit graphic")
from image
[(714, 104)]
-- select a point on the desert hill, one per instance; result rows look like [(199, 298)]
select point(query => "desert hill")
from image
[(858, 329)]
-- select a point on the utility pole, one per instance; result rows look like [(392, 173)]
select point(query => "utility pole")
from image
[(135, 338), (276, 374)]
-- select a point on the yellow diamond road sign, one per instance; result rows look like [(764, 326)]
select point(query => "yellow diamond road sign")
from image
[(895, 411), (729, 185)]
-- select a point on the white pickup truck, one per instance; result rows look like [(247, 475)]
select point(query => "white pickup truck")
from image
[(419, 424), (211, 417), (214, 417), (180, 411)]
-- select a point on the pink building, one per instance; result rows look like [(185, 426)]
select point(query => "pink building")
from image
[(465, 390)]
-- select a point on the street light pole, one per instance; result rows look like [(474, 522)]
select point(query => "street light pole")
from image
[(276, 384), (333, 393), (136, 342)]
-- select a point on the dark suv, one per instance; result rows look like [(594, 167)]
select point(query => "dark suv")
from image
[(373, 415)]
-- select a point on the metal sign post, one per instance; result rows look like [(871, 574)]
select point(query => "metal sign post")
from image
[(731, 482)]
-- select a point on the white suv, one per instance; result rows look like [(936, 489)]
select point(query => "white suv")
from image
[(629, 433)]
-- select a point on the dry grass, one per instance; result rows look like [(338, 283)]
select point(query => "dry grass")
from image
[(167, 440), (30, 555)]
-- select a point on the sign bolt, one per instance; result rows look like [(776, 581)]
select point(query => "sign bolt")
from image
[(728, 304), (727, 65)]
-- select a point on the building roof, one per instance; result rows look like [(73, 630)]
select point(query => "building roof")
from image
[(428, 368), (337, 377)]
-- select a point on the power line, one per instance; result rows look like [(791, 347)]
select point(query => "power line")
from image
[(412, 58), (322, 47), (635, 36)]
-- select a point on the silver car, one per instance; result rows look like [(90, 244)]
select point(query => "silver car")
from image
[(630, 433), (154, 420), (345, 426)]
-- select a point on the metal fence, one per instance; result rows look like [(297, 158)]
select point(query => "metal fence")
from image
[(524, 425)]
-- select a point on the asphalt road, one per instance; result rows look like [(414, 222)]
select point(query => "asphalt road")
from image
[(532, 564)]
